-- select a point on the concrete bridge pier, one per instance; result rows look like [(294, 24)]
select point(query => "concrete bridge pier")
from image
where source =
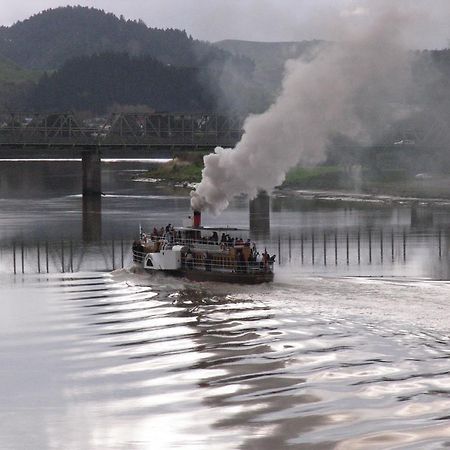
[(92, 174), (260, 216)]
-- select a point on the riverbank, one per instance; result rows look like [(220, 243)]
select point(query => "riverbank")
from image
[(182, 169), (186, 170)]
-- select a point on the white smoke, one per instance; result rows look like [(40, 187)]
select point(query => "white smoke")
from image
[(353, 88)]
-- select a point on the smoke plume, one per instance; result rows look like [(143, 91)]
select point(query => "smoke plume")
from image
[(354, 88)]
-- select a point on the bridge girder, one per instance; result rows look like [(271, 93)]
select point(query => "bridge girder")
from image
[(124, 129)]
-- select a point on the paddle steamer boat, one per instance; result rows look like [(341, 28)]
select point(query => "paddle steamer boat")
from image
[(203, 254)]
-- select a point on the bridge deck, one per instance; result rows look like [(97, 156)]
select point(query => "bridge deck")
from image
[(175, 130)]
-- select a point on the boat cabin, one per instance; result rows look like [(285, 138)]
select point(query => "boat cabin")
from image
[(223, 250)]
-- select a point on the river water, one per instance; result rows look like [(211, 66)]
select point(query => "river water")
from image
[(347, 349)]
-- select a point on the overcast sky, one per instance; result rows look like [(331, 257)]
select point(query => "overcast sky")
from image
[(260, 20)]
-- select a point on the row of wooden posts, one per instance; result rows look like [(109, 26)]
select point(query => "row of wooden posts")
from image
[(307, 248), (65, 250), (327, 243)]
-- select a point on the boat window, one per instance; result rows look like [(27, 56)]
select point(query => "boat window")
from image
[(149, 263)]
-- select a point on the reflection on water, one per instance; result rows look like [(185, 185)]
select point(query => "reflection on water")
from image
[(92, 218), (259, 217), (314, 236), (347, 349), (166, 364)]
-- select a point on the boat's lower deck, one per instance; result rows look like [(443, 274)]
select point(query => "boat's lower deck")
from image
[(221, 276), (228, 276)]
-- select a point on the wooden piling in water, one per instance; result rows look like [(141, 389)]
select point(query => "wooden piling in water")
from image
[(279, 249), (312, 248), (392, 246), (324, 249), (440, 244), (46, 256), (39, 256), (348, 249), (22, 252), (335, 249), (381, 247), (404, 245), (113, 255), (302, 248), (359, 247), (290, 251), (121, 252), (62, 257), (71, 255), (14, 258)]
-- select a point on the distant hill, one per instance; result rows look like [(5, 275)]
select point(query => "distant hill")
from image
[(238, 75), (46, 40), (94, 60), (52, 38), (269, 57)]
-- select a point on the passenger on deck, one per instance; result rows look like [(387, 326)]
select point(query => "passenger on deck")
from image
[(246, 252), (155, 232), (189, 260), (240, 261), (258, 259), (265, 259), (207, 261)]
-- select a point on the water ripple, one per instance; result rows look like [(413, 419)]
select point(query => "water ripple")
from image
[(214, 366)]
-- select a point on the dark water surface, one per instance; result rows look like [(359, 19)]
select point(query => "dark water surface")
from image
[(333, 354)]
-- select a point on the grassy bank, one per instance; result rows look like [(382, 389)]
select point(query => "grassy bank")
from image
[(185, 167), (322, 177), (188, 168)]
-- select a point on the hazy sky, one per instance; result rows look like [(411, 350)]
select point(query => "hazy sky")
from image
[(262, 20)]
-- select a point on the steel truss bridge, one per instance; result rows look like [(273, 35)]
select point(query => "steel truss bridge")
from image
[(202, 130), (120, 130)]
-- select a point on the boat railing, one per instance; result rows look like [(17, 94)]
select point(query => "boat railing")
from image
[(199, 244), (209, 244), (202, 243), (138, 256), (227, 265), (153, 238)]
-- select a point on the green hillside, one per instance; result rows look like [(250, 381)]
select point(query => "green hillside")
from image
[(97, 82), (12, 73), (52, 38)]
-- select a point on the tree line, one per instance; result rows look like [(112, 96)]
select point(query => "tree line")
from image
[(95, 82)]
